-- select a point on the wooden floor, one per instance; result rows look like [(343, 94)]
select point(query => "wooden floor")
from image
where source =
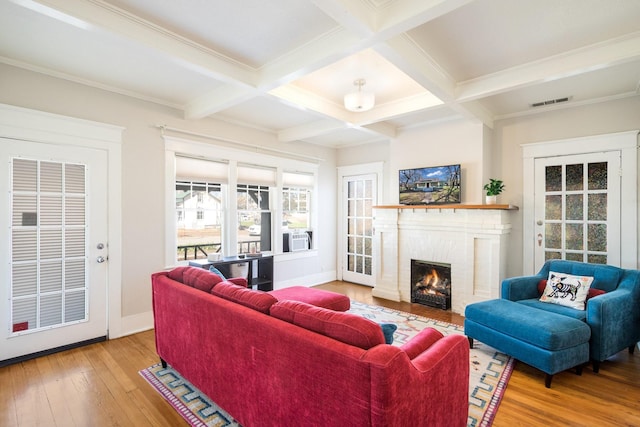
[(99, 385)]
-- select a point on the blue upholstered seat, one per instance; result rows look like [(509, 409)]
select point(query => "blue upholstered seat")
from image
[(614, 318)]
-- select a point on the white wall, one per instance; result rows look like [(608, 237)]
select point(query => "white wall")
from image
[(143, 216), (495, 153)]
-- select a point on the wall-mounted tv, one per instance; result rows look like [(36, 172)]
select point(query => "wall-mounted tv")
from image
[(436, 185)]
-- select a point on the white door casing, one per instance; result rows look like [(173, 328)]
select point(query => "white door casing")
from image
[(626, 143)]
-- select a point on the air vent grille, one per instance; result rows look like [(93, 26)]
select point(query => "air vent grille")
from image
[(550, 102)]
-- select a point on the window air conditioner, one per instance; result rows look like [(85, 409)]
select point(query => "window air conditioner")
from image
[(298, 241)]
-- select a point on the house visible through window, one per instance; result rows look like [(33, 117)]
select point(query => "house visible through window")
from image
[(199, 219)]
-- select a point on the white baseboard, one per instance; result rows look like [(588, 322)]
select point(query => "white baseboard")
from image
[(308, 281), (136, 323)]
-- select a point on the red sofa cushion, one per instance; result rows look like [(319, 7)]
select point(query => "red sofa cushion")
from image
[(346, 327), (195, 277), (257, 300)]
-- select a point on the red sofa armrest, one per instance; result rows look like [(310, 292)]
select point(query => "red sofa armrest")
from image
[(422, 341)]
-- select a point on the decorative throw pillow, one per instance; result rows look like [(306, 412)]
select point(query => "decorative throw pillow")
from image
[(216, 271), (567, 290), (387, 330)]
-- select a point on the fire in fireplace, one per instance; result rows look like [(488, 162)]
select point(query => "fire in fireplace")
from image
[(431, 283)]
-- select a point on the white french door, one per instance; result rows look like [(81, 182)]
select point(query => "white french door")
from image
[(359, 197), (53, 231), (577, 208)]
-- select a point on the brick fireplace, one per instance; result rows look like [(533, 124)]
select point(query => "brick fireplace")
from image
[(471, 239)]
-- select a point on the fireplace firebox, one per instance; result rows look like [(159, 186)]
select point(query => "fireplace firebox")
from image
[(431, 283)]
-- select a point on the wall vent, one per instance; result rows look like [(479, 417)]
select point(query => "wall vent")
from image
[(550, 102)]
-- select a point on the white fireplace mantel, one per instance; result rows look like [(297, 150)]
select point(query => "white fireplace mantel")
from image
[(472, 238)]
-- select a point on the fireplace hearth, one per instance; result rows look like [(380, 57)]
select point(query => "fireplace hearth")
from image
[(431, 283)]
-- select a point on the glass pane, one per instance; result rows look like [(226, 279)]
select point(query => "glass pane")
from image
[(50, 310), (51, 244), (597, 259), (74, 274), (367, 189), (74, 179), (351, 209), (51, 177), (25, 211), (74, 306), (368, 208), (597, 207), (351, 244), (74, 244), (553, 234), (553, 178), (575, 177), (351, 189), (575, 256), (553, 208), (359, 245), (51, 277), (368, 227), (552, 255), (574, 207), (25, 175), (351, 263), (352, 226), (359, 189), (74, 211), (367, 266), (24, 281), (597, 176), (25, 311), (24, 245), (367, 250), (597, 237), (574, 239), (359, 264)]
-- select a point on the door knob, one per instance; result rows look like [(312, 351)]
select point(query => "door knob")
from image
[(100, 259)]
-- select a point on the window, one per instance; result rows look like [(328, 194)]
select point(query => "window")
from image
[(254, 218), (199, 215), (295, 208)]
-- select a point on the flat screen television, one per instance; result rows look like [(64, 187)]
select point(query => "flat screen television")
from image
[(434, 185)]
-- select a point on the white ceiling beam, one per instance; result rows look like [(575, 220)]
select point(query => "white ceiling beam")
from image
[(403, 15), (386, 130), (185, 52), (217, 100), (590, 58), (352, 15), (309, 130)]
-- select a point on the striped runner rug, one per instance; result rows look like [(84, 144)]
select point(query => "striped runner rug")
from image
[(489, 373)]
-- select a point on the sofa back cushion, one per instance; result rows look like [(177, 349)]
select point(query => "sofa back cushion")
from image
[(257, 300), (346, 327), (195, 277)]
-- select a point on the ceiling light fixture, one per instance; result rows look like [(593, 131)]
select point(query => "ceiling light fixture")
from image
[(359, 101)]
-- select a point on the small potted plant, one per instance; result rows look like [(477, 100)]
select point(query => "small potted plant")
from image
[(493, 188)]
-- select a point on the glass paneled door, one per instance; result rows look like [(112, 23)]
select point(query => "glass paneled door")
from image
[(360, 194), (54, 229), (577, 208)]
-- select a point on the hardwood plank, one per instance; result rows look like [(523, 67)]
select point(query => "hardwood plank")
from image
[(99, 385)]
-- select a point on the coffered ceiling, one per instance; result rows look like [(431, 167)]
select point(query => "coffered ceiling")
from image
[(283, 66)]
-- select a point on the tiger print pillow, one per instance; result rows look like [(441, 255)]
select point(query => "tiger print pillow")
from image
[(567, 290)]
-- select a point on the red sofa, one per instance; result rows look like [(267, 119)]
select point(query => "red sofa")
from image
[(264, 363)]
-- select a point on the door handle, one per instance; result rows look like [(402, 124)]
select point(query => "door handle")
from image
[(101, 259), (539, 239)]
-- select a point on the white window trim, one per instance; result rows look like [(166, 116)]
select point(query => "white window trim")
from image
[(181, 146)]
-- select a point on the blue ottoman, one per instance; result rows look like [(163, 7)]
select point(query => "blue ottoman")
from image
[(547, 341)]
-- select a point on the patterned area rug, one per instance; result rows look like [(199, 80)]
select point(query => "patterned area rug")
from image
[(490, 372)]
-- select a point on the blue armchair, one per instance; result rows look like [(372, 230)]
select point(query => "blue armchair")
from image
[(614, 317)]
